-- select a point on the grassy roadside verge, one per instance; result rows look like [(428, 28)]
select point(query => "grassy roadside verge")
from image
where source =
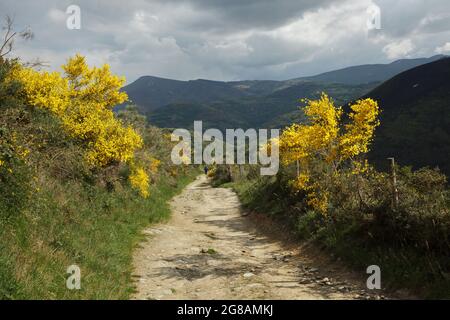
[(87, 226), (78, 182), (402, 267)]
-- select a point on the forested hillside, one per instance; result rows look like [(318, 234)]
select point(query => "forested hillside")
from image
[(415, 122)]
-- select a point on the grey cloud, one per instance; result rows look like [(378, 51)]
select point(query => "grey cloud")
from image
[(265, 14)]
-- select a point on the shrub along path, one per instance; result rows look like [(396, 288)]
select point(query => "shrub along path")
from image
[(211, 249)]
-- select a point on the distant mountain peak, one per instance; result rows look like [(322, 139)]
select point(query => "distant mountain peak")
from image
[(368, 73)]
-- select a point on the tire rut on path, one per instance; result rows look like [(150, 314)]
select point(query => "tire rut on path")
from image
[(210, 249)]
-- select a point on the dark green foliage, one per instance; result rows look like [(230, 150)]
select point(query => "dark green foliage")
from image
[(14, 179), (9, 91)]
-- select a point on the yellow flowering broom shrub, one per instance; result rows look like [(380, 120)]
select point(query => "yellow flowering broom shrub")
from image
[(82, 98), (323, 145)]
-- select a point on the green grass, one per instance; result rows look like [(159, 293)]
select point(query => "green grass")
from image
[(83, 225)]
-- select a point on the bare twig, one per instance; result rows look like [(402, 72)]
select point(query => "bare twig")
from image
[(10, 35), (37, 63)]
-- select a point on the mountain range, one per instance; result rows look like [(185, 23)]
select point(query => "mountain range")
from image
[(414, 95), (253, 103)]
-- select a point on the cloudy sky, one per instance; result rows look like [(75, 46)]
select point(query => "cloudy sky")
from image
[(231, 39)]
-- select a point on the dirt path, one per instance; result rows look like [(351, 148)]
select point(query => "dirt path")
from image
[(210, 249)]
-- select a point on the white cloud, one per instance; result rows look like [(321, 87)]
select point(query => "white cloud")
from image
[(57, 15), (443, 49), (400, 49)]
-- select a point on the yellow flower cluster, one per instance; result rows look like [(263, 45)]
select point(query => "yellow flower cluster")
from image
[(96, 85), (319, 147), (140, 181), (301, 182), (154, 165), (359, 132), (302, 141), (318, 200), (43, 89)]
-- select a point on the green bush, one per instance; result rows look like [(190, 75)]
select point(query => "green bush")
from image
[(409, 240), (220, 174)]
